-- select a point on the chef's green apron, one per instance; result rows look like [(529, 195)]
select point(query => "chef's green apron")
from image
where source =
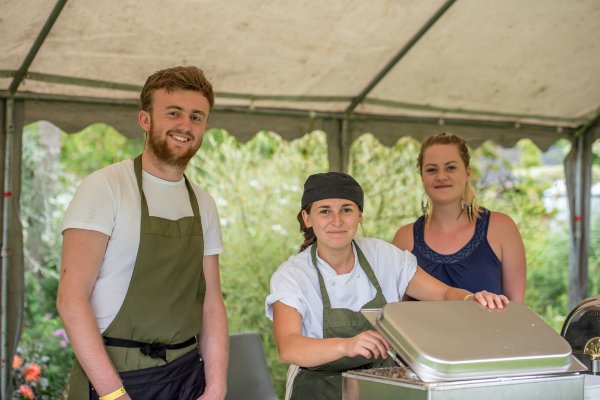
[(164, 300), (324, 382)]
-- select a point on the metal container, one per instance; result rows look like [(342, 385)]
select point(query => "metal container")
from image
[(462, 350), (582, 330)]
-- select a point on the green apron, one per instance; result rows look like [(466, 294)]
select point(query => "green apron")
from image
[(165, 298), (324, 382)]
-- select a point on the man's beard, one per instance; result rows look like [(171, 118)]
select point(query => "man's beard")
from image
[(164, 153)]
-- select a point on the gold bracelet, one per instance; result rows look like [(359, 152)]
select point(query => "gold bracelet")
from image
[(114, 395), (469, 297)]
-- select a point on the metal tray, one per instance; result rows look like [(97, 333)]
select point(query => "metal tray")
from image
[(461, 340)]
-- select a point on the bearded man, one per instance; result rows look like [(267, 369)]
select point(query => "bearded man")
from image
[(140, 293)]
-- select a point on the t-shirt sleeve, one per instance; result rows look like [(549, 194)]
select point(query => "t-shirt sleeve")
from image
[(407, 267), (285, 288), (211, 225), (92, 207)]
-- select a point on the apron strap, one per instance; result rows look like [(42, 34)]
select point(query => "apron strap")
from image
[(137, 167), (362, 260), (324, 294)]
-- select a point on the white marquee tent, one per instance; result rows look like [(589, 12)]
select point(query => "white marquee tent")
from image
[(487, 69)]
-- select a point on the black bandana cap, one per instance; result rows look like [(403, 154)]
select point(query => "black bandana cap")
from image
[(332, 185)]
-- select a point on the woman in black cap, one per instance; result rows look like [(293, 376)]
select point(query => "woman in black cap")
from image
[(316, 295)]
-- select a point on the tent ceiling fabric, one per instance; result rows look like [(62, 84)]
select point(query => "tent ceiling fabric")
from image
[(512, 62)]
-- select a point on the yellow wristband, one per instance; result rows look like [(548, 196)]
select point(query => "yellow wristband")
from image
[(114, 395), (469, 297)]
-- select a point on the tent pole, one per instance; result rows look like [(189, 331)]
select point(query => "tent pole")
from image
[(574, 277), (345, 145), (578, 174), (338, 146), (332, 134), (9, 132), (39, 40)]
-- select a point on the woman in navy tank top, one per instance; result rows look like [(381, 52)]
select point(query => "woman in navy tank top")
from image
[(456, 241)]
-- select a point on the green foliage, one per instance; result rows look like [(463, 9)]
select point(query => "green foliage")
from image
[(488, 165), (96, 147), (43, 344), (531, 156), (596, 153), (40, 193), (40, 209), (594, 257), (391, 183), (559, 150), (47, 188), (545, 241), (547, 275)]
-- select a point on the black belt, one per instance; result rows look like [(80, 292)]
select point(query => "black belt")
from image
[(154, 350)]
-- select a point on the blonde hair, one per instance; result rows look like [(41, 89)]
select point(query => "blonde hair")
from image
[(468, 198)]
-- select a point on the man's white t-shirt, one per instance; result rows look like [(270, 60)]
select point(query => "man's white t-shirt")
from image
[(296, 283), (108, 201)]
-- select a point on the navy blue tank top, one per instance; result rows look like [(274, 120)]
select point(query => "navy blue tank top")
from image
[(475, 267)]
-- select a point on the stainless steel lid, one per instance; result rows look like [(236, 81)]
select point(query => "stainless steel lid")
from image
[(582, 330), (459, 340)]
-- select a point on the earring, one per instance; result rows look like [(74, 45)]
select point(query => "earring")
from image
[(425, 205), (469, 208)]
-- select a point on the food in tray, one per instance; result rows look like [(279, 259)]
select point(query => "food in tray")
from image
[(391, 372)]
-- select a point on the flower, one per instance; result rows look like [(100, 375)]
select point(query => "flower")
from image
[(61, 333), (17, 362), (32, 372), (26, 391)]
